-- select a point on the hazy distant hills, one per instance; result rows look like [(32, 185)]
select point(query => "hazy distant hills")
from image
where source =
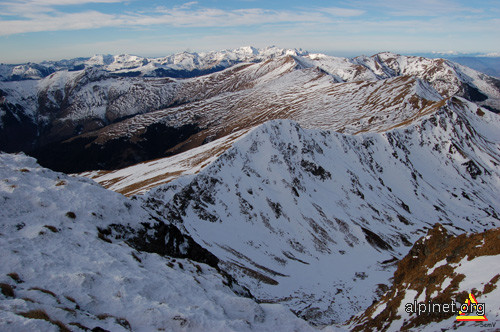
[(488, 64)]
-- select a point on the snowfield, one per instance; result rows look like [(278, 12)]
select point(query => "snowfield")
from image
[(59, 273), (314, 219)]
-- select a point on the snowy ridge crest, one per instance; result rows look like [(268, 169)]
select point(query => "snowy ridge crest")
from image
[(301, 203)]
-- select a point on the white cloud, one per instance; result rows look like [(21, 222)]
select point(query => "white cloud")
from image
[(32, 8), (188, 4), (212, 17), (37, 19), (429, 8), (343, 12), (59, 2), (446, 52), (71, 21), (490, 55)]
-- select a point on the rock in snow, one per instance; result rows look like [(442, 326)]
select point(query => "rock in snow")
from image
[(61, 271)]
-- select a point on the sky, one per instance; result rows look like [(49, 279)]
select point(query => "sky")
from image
[(36, 30)]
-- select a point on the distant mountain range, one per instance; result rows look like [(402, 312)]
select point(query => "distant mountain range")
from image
[(249, 190), (181, 65), (112, 113)]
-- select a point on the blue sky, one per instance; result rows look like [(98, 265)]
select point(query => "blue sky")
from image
[(35, 30)]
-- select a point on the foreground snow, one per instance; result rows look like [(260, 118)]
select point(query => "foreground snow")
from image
[(59, 271)]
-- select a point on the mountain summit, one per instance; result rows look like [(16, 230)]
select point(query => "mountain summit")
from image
[(106, 114), (250, 189)]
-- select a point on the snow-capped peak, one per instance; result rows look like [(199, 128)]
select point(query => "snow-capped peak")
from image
[(100, 59)]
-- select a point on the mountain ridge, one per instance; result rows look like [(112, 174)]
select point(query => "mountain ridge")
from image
[(180, 65), (295, 200), (295, 183), (67, 107)]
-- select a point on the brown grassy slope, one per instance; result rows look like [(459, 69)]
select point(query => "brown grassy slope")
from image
[(412, 274)]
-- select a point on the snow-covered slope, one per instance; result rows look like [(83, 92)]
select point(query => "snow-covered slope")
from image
[(306, 96), (440, 268), (447, 77), (313, 219), (62, 270), (228, 91)]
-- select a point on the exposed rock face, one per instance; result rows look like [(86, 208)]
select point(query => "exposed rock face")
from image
[(162, 239), (440, 268)]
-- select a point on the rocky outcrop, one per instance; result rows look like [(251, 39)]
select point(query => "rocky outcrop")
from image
[(433, 272)]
